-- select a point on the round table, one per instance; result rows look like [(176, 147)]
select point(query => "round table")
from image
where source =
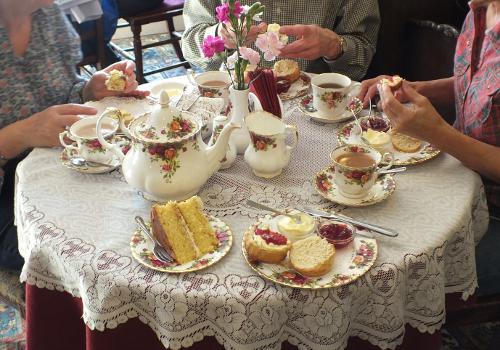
[(74, 233)]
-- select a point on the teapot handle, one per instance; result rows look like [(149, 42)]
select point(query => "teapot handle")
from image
[(292, 129), (112, 147)]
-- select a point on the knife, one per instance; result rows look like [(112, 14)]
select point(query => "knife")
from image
[(340, 217)]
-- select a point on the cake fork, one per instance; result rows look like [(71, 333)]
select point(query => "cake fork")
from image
[(159, 252)]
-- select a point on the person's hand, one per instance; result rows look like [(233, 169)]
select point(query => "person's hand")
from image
[(42, 129), (419, 119), (229, 37), (95, 89), (369, 89), (312, 42)]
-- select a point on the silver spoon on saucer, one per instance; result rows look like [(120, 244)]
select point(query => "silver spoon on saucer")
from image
[(82, 162)]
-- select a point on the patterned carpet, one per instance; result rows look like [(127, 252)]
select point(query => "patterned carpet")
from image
[(478, 337)]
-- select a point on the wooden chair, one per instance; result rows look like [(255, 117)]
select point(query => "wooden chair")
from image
[(99, 57), (165, 12)]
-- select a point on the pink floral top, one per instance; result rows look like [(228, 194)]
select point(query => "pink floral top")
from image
[(46, 75), (477, 85)]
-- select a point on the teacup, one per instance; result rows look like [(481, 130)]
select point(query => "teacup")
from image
[(267, 154), (331, 93), (83, 132), (211, 83), (357, 168)]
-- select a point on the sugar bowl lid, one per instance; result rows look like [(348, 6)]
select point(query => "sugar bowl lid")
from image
[(165, 124)]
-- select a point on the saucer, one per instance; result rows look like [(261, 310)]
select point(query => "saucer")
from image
[(142, 251), (298, 88), (66, 154), (306, 106), (326, 187)]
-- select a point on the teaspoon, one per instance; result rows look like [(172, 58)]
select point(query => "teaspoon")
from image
[(82, 162)]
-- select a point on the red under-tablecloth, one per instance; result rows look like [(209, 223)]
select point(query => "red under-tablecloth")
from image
[(54, 322)]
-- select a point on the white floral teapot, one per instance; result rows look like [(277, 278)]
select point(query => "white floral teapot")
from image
[(168, 159)]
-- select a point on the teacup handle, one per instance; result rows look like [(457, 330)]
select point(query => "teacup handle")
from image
[(292, 129), (388, 158), (190, 76), (353, 85), (255, 100), (63, 143), (112, 147)]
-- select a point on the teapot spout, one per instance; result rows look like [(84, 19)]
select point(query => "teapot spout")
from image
[(216, 153)]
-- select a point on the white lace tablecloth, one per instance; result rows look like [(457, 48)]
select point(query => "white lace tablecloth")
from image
[(74, 232)]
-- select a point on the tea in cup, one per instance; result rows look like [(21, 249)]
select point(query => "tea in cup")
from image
[(83, 133), (357, 168), (331, 93), (211, 83), (267, 154)]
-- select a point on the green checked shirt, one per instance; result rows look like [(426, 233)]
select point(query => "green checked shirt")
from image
[(357, 21)]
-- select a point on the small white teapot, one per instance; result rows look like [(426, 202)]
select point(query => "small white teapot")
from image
[(267, 154), (168, 159)]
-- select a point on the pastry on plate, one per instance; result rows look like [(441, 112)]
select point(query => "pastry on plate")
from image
[(312, 256), (393, 82), (265, 245), (287, 69), (183, 228), (405, 143), (116, 81)]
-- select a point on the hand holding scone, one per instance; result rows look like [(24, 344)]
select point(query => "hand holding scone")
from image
[(96, 88), (419, 120)]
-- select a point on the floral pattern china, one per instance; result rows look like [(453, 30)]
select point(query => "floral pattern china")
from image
[(141, 248), (349, 263), (426, 151), (306, 106), (67, 154), (326, 187), (298, 88)]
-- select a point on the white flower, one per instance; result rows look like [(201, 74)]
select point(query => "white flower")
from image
[(171, 306), (323, 317), (231, 60), (216, 195)]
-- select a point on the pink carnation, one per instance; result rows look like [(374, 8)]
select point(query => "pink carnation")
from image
[(223, 12), (270, 44), (212, 45), (250, 55)]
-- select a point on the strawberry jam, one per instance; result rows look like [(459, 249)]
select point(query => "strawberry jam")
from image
[(338, 234), (375, 123), (271, 237)]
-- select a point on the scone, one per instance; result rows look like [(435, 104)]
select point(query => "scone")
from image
[(265, 245), (116, 81), (287, 69), (405, 143), (393, 82), (275, 28), (312, 256)]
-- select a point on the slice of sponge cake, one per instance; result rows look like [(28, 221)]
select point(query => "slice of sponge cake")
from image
[(170, 229), (197, 222)]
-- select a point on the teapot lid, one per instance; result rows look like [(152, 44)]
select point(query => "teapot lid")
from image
[(165, 124)]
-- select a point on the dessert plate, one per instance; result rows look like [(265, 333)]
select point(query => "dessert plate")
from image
[(298, 88), (349, 263), (326, 187), (426, 151), (306, 107), (67, 154), (142, 250)]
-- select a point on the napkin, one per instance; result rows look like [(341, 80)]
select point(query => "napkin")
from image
[(263, 85)]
